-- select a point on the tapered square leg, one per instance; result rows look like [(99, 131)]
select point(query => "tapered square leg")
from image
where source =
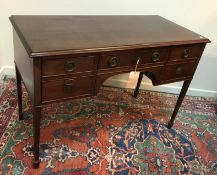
[(36, 132), (136, 91), (179, 102), (19, 94)]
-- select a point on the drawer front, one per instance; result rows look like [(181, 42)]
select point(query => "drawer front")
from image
[(187, 52), (116, 60), (62, 66), (150, 56), (65, 88), (178, 71)]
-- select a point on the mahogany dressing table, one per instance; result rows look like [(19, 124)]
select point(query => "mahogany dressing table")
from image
[(66, 57)]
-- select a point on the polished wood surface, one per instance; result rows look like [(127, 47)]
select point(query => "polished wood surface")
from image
[(69, 65), (71, 56), (19, 94), (24, 65), (178, 70), (184, 89), (186, 52), (49, 35), (65, 88)]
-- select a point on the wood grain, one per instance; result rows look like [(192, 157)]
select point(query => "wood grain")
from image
[(55, 89), (58, 35), (56, 67)]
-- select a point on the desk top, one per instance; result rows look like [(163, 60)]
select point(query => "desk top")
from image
[(54, 35)]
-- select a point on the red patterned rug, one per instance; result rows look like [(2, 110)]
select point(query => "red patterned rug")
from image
[(112, 133)]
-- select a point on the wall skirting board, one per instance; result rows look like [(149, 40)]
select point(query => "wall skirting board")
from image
[(121, 83), (163, 88), (7, 70)]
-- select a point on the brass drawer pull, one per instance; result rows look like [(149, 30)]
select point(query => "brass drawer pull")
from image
[(155, 56), (185, 53), (113, 62), (68, 86), (178, 70), (69, 66)]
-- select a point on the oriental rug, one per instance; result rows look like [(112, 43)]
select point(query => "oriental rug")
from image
[(110, 134)]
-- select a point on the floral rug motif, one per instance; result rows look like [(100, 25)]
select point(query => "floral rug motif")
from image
[(110, 134)]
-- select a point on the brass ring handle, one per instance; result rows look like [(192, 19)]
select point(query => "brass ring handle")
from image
[(68, 86), (178, 70), (69, 66), (185, 53), (155, 56), (113, 62)]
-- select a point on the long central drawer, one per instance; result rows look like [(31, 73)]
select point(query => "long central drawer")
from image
[(116, 60)]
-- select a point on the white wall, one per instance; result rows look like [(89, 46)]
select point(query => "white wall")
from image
[(197, 15)]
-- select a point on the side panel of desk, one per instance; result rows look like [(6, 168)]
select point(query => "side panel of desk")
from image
[(24, 65)]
